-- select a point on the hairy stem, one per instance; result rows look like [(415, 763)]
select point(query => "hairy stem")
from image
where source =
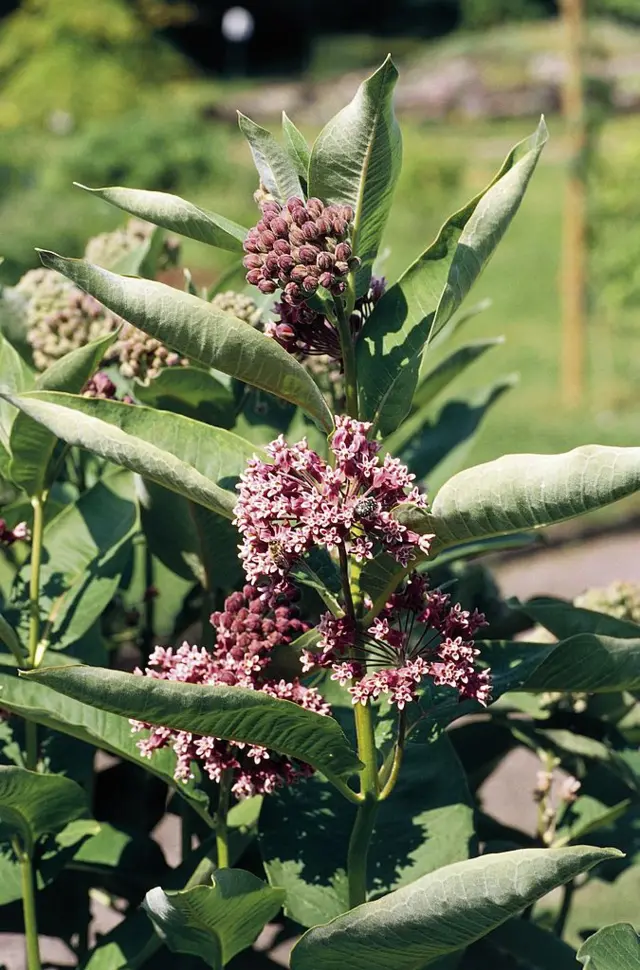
[(359, 850), (222, 831), (27, 880), (388, 780), (348, 358), (33, 655)]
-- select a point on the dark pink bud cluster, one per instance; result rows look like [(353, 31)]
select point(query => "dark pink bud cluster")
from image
[(9, 536), (248, 630), (102, 387), (305, 332), (419, 634), (299, 247), (300, 500)]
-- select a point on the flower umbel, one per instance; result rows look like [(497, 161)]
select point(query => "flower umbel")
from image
[(248, 630), (300, 501), (420, 634)]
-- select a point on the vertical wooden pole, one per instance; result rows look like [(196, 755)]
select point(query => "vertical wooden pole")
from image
[(574, 244)]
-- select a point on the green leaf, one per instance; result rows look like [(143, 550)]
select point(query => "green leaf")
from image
[(356, 160), (615, 947), (296, 144), (183, 455), (34, 805), (201, 332), (432, 801), (109, 732), (563, 619), (31, 444), (214, 922), (591, 663), (277, 171), (426, 296), (445, 372), (81, 562), (586, 815), (9, 638), (231, 713), (15, 377), (441, 912), (175, 214), (532, 946), (190, 391)]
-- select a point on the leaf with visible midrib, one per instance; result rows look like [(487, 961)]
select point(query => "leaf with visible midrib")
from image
[(418, 306), (356, 160), (441, 912), (175, 214), (231, 713), (33, 805), (615, 947), (186, 456), (199, 331), (276, 169)]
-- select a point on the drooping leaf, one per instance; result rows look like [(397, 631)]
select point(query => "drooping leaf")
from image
[(441, 912), (233, 713), (356, 160), (109, 732), (585, 815), (278, 172), (563, 619), (185, 456), (9, 638), (190, 391), (31, 444), (418, 306), (199, 331), (214, 922), (33, 805), (588, 662), (426, 823), (175, 214), (296, 144), (615, 947)]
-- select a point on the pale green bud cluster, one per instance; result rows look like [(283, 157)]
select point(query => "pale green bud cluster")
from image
[(73, 320), (238, 305), (108, 248), (621, 600)]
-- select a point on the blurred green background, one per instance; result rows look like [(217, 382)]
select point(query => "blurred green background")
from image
[(144, 93)]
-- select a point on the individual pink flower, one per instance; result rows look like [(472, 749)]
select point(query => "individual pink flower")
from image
[(248, 629), (299, 501), (418, 635), (9, 536)]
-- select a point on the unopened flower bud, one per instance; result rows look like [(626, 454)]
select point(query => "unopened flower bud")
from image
[(326, 280), (254, 276), (343, 252), (267, 286), (308, 254)]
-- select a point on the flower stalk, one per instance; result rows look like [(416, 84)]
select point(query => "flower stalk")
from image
[(27, 879), (222, 829), (348, 352)]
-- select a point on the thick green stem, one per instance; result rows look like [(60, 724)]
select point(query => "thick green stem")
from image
[(359, 850), (27, 880), (388, 780), (348, 358), (222, 831)]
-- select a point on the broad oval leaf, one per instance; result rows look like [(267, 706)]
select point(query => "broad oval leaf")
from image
[(186, 456), (15, 377), (418, 306), (356, 160), (277, 171), (31, 444), (33, 805), (441, 912), (232, 713), (615, 947), (200, 332), (563, 619), (190, 391), (173, 213), (109, 732), (214, 922), (591, 663)]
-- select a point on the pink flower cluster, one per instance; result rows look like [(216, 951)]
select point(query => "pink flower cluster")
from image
[(300, 501), (419, 634), (9, 536), (248, 630)]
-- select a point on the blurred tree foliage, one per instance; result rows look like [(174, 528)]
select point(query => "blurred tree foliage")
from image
[(63, 61)]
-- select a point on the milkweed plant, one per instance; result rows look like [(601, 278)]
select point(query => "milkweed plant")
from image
[(240, 590)]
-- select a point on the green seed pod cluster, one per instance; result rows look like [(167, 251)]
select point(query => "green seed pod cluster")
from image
[(238, 305), (108, 248), (77, 320), (141, 356)]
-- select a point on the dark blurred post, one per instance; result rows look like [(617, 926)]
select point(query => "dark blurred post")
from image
[(574, 255), (237, 29)]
